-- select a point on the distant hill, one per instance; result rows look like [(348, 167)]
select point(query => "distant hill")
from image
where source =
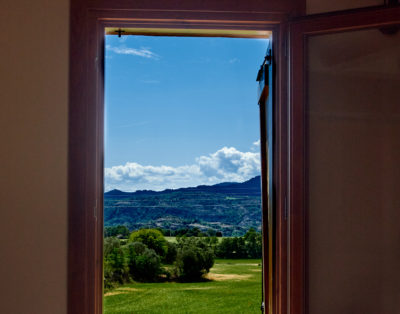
[(229, 207), (249, 187)]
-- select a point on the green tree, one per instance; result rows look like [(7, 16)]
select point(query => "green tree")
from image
[(232, 248), (116, 231), (253, 243), (144, 263), (116, 269), (248, 246), (170, 257), (194, 258), (152, 238), (211, 232)]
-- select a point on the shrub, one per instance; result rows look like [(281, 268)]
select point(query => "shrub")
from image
[(152, 238), (194, 259), (211, 242), (108, 276), (171, 253), (109, 244), (253, 242), (144, 263), (116, 269), (248, 246), (133, 249), (231, 248)]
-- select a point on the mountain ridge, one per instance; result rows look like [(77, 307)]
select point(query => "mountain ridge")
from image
[(248, 187), (229, 207)]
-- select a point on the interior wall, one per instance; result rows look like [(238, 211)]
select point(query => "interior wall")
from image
[(354, 156), (33, 155), (321, 6)]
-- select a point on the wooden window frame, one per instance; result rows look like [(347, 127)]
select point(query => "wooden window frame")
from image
[(86, 132), (85, 155), (299, 32)]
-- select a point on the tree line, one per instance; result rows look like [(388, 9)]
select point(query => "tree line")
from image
[(145, 255), (123, 232)]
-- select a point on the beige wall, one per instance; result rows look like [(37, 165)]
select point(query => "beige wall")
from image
[(321, 6), (33, 155)]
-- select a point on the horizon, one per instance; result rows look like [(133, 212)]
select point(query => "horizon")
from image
[(190, 141), (187, 187)]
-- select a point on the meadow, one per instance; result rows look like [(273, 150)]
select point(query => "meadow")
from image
[(232, 286), (173, 239)]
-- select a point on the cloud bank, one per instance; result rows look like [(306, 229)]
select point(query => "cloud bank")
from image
[(225, 165)]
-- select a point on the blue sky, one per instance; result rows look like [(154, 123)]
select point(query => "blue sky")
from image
[(180, 111)]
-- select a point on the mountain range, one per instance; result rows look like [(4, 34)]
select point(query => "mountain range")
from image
[(229, 207)]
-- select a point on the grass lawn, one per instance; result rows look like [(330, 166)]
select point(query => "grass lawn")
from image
[(234, 287)]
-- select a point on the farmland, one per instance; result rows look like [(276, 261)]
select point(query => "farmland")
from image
[(231, 286)]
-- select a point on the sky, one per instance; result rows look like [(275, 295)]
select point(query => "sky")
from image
[(180, 111)]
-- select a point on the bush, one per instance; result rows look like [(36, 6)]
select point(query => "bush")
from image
[(152, 238), (253, 242), (194, 259), (171, 253), (109, 244), (144, 263), (133, 249), (116, 269), (231, 248), (108, 277), (248, 246)]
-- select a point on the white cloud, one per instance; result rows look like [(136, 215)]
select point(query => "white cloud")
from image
[(255, 147), (233, 60), (229, 164), (225, 165), (141, 52)]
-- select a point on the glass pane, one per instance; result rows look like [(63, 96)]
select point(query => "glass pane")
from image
[(353, 147)]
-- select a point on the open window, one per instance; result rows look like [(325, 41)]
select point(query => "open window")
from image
[(86, 198), (334, 147), (344, 156), (187, 96)]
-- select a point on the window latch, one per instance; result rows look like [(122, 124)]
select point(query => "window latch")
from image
[(119, 32)]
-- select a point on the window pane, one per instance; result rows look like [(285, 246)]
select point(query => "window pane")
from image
[(353, 145)]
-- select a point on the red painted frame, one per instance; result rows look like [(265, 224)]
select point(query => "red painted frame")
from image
[(299, 31)]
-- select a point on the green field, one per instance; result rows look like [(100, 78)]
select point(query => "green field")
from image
[(173, 239), (234, 286)]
